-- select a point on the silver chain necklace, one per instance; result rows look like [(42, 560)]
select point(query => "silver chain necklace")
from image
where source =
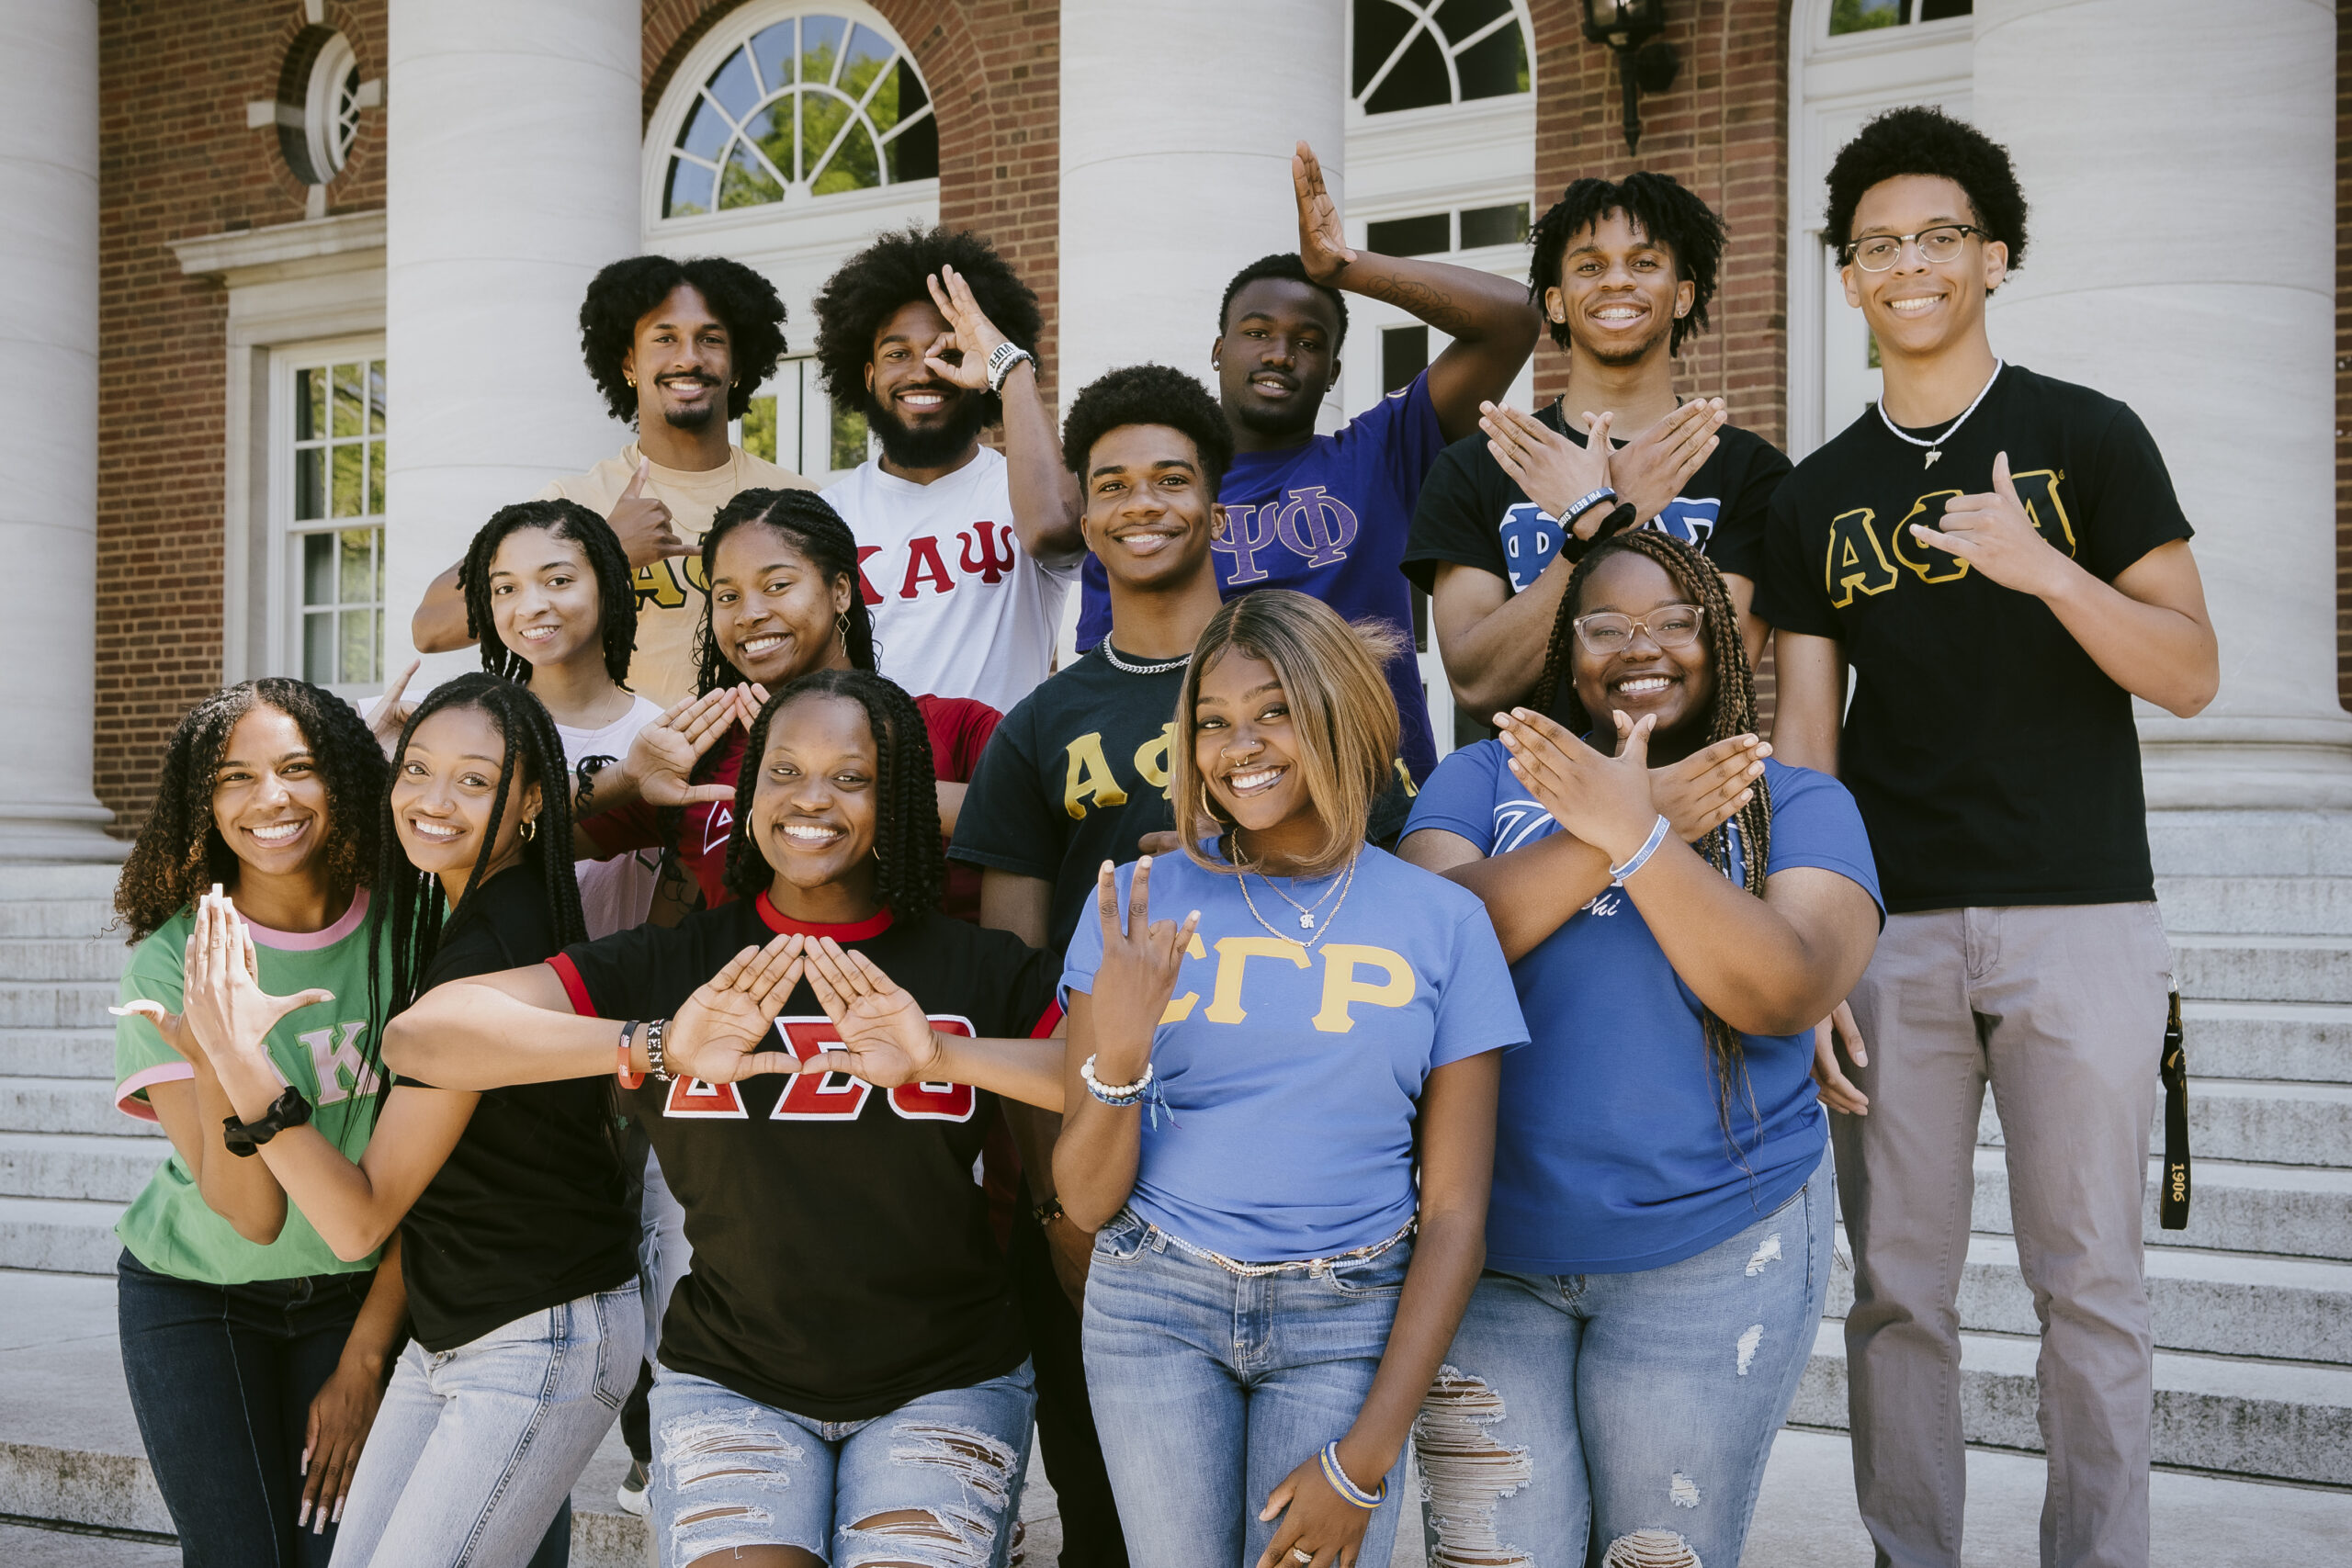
[(1162, 668), (1935, 448)]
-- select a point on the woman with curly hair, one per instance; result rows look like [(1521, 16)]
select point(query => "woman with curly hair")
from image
[(677, 348), (1659, 1246), (843, 1376), (255, 1355)]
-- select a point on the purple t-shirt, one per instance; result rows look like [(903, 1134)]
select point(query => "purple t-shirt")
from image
[(1328, 518)]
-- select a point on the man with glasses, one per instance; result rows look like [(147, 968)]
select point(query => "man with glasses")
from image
[(2000, 558)]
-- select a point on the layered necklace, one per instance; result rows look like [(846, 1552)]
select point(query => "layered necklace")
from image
[(1162, 668), (1935, 448), (1307, 913)]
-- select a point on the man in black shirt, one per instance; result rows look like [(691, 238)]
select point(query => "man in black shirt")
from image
[(2000, 558), (1625, 271)]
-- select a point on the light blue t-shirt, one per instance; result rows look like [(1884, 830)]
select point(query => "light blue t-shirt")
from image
[(1293, 1074), (1609, 1152)]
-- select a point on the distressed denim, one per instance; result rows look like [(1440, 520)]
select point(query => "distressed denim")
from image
[(936, 1482), (1210, 1387), (1633, 1412)]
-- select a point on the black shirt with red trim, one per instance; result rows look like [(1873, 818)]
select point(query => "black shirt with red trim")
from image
[(843, 1262)]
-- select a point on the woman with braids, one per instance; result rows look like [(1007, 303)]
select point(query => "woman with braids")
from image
[(518, 1245), (1678, 916), (783, 601), (843, 1376), (550, 599), (255, 1354)]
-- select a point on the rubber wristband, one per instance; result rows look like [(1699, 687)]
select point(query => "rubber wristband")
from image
[(1336, 1474), (628, 1079), (1585, 504), (1658, 830)]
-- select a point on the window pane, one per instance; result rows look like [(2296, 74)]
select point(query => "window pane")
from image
[(772, 129), (774, 48), (1404, 354), (318, 569), (745, 183), (375, 478), (1459, 19), (1380, 27), (1419, 81), (1861, 16), (1494, 67), (914, 152), (705, 132), (854, 166), (310, 485), (356, 573), (736, 90), (759, 429), (1494, 226), (1945, 10), (821, 46), (690, 189), (376, 397), (357, 659), (345, 462), (849, 435), (318, 648), (309, 404), (822, 118), (912, 96), (868, 54), (1428, 234), (348, 420)]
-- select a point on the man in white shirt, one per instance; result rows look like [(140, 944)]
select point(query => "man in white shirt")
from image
[(965, 554), (678, 348)]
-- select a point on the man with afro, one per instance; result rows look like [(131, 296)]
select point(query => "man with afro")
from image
[(677, 348), (965, 553), (2000, 559)]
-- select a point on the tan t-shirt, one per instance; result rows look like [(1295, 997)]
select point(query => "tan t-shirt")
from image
[(669, 593)]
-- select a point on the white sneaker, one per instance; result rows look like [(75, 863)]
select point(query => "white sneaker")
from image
[(632, 1492)]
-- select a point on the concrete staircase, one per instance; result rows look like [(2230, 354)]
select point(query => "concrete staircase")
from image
[(2253, 1302)]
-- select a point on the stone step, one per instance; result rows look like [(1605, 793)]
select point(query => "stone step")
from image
[(77, 1165), (2288, 1211), (58, 1236), (2235, 1119), (85, 882), (62, 958), (2250, 843), (2219, 966), (61, 917), (67, 1105), (2284, 1041), (2223, 1303), (2278, 1421), (2303, 905), (62, 1004), (57, 1053)]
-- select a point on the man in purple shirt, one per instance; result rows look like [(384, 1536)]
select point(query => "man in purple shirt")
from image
[(1328, 514)]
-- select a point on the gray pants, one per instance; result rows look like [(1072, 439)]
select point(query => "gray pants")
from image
[(2062, 1010)]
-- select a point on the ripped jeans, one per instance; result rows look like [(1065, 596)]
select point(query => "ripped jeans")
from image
[(1633, 1411), (937, 1480)]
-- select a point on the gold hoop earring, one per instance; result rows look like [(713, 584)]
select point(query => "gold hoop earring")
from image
[(530, 829), (1208, 806)]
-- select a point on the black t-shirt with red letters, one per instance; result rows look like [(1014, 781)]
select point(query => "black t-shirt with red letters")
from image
[(843, 1263)]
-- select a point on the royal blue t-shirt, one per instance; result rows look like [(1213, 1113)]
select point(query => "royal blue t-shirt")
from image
[(1328, 518), (1292, 1074), (1609, 1151)]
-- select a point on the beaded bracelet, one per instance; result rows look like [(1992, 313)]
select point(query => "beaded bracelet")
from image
[(1659, 830), (1336, 1474), (1113, 1094)]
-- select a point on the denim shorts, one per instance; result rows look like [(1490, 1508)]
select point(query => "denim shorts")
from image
[(937, 1479)]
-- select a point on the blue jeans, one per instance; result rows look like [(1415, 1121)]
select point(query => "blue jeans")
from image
[(476, 1450), (1210, 1387), (938, 1480), (221, 1379), (1626, 1415)]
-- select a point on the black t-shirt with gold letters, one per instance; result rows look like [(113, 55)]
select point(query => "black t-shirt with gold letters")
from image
[(1994, 762)]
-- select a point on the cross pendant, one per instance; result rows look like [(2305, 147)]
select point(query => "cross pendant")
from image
[(1933, 453), (1306, 922)]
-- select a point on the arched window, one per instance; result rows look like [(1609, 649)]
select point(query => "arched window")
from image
[(1414, 54), (808, 106), (1869, 15)]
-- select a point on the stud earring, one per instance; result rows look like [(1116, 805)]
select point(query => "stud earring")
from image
[(630, 379)]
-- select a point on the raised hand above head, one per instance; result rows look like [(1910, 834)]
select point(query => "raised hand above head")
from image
[(642, 522), (661, 762), (718, 1034), (885, 1037), (970, 338), (1554, 472), (1651, 470), (1322, 240), (390, 714), (1606, 801)]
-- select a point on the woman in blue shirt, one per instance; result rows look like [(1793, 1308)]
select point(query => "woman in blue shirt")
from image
[(1250, 1094), (1659, 1242)]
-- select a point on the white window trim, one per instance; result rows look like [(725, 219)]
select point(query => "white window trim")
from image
[(321, 122), (280, 609)]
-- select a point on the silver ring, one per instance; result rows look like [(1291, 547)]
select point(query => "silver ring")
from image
[(1299, 1554)]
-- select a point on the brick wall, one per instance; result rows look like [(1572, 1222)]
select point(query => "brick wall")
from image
[(176, 160)]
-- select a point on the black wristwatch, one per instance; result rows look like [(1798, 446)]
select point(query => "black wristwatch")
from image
[(1047, 1212), (245, 1138)]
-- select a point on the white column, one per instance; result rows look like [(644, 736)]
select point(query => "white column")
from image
[(1176, 168), (512, 177), (2179, 157), (49, 430)]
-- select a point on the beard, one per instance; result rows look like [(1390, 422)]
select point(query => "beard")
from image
[(928, 447), (1633, 355), (695, 418)]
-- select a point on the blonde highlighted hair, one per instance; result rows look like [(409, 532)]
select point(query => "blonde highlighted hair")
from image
[(1343, 713)]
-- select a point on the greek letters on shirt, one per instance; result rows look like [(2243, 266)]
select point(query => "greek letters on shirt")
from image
[(984, 551), (1864, 553), (1354, 975), (340, 1070), (1309, 522), (1090, 782), (1530, 536), (826, 1097)]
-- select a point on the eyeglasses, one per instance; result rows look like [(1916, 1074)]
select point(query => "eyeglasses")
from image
[(1672, 626), (1940, 244)]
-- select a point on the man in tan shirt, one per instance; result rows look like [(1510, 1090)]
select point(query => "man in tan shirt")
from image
[(677, 348)]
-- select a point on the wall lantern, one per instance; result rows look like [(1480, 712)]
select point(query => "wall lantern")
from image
[(1645, 63)]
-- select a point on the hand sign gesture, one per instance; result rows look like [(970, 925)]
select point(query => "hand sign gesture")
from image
[(391, 715), (885, 1037), (1606, 801), (718, 1034), (970, 336), (662, 759), (1705, 789), (1553, 472), (642, 522), (226, 1009), (1322, 242), (1992, 533), (1652, 469), (1140, 961)]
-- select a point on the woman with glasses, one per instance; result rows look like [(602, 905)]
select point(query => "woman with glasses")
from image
[(1659, 1244)]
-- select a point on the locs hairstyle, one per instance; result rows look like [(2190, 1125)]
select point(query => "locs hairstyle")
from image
[(1664, 210), (180, 852), (1147, 394), (624, 293), (913, 865), (1733, 713), (409, 901), (1286, 266), (615, 588), (818, 535), (893, 272), (1342, 711), (1923, 140)]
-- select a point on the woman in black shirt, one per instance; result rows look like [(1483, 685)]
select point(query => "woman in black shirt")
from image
[(519, 1245)]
